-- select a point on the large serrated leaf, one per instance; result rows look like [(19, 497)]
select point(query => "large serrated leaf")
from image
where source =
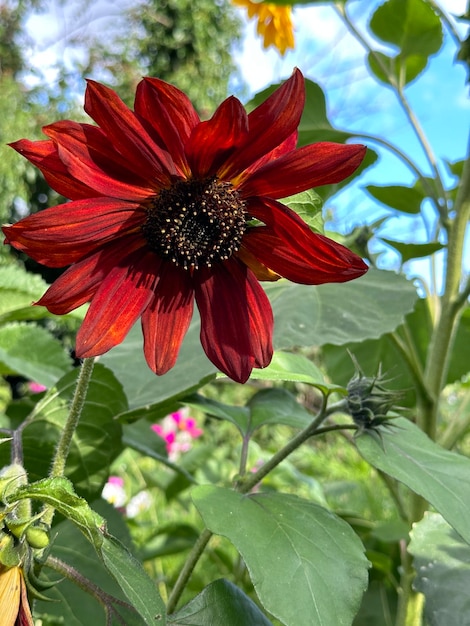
[(294, 550), (31, 351), (97, 440), (365, 308), (440, 476), (19, 288), (220, 603), (442, 564)]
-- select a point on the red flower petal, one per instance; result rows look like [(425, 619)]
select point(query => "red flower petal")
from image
[(126, 132), (119, 302), (63, 234), (270, 124), (168, 116), (75, 148), (329, 261), (167, 317), (79, 283), (211, 143), (236, 319), (261, 322), (286, 146), (307, 167), (44, 155)]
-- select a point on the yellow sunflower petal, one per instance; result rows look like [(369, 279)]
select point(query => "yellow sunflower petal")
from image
[(10, 594), (274, 23)]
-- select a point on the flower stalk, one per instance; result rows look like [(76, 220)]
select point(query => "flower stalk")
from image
[(63, 446)]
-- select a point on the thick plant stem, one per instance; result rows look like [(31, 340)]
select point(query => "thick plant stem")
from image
[(63, 446), (187, 569), (451, 303), (437, 363)]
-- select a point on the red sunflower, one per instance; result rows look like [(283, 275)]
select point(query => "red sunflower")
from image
[(166, 209)]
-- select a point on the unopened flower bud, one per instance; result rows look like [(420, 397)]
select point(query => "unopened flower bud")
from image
[(369, 401), (37, 537)]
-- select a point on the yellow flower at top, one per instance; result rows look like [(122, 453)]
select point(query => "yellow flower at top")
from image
[(274, 23)]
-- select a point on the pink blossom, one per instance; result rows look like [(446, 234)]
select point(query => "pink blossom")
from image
[(178, 431), (36, 387)]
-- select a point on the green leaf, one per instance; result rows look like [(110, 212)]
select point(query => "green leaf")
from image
[(410, 251), (268, 406), (403, 69), (398, 197), (383, 352), (96, 442), (71, 604), (59, 493), (308, 205), (219, 603), (127, 571), (146, 391), (307, 565), (459, 365), (18, 290), (239, 416), (442, 564), (411, 25), (138, 587), (277, 406), (365, 308), (439, 476), (44, 361), (304, 316), (289, 367), (455, 168), (168, 539)]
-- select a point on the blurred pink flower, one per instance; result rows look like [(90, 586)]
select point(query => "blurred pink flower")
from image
[(178, 431), (36, 387)]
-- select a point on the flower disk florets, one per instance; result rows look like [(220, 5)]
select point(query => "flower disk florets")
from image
[(196, 222)]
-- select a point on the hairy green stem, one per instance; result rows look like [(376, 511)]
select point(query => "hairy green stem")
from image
[(105, 599), (63, 446)]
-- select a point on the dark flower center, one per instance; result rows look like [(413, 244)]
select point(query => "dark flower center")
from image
[(196, 222)]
